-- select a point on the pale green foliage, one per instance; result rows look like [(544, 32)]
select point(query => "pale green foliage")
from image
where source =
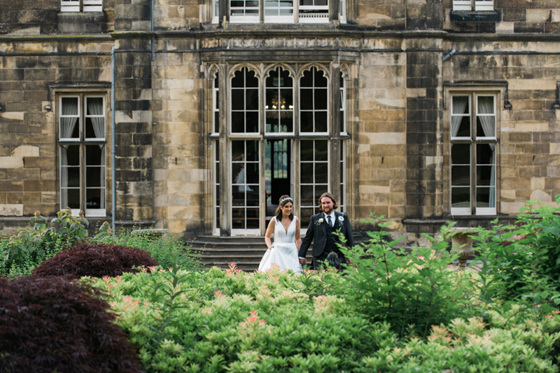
[(232, 321)]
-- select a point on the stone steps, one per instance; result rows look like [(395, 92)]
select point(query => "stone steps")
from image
[(245, 252)]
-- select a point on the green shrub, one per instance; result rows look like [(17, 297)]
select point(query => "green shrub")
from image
[(30, 247), (231, 321), (521, 262), (167, 249), (411, 290)]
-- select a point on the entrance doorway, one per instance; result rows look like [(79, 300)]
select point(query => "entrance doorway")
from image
[(278, 173)]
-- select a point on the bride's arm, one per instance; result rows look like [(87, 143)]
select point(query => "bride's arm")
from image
[(298, 235), (268, 234)]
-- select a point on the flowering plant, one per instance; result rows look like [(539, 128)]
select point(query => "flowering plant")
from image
[(341, 219), (320, 221)]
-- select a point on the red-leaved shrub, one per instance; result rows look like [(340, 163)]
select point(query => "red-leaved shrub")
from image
[(95, 260), (53, 324)]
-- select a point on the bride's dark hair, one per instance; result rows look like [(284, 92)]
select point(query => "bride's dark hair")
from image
[(282, 202)]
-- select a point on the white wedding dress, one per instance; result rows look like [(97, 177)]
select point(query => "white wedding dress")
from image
[(284, 253)]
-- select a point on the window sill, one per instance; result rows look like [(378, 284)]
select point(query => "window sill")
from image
[(477, 16)]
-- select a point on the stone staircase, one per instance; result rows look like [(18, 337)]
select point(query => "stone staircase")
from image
[(245, 252)]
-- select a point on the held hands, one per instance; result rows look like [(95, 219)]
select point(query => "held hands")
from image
[(302, 261)]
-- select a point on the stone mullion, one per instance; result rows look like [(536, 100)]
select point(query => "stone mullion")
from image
[(225, 156)]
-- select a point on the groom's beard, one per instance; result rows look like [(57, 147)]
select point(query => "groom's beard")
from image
[(327, 212)]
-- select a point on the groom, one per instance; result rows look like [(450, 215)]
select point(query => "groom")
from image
[(322, 228)]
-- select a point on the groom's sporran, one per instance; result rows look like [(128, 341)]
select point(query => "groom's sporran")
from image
[(333, 260)]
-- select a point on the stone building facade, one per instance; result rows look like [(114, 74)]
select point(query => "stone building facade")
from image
[(195, 116)]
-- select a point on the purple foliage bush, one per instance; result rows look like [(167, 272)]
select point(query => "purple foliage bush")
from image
[(54, 324), (95, 260)]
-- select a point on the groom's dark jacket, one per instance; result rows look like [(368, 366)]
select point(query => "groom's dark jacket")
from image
[(317, 232)]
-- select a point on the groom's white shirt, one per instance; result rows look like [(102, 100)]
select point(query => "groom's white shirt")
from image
[(333, 217)]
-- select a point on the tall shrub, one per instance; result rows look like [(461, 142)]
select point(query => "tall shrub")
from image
[(54, 325), (412, 291)]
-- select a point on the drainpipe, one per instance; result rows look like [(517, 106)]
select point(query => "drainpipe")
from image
[(152, 20), (113, 181)]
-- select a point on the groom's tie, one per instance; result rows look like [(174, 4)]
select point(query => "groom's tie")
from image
[(329, 220)]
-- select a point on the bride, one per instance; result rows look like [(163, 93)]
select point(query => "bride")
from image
[(284, 252)]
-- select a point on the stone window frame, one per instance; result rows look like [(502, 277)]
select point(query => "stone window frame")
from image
[(219, 11), (81, 6), (83, 143), (498, 92), (218, 149), (474, 11)]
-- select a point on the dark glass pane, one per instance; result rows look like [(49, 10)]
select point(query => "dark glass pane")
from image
[(238, 173), (252, 150), (237, 99), (306, 121), (460, 197), (305, 216), (484, 176), (307, 197), (252, 173), (94, 177), (94, 199), (321, 173), (484, 154), (321, 99), (218, 196), (464, 127), (461, 154), (238, 218), (306, 173), (271, 98), (288, 122), (237, 81), (460, 175), (238, 196), (93, 155), (287, 96), (73, 155), (252, 122), (321, 150), (306, 151), (90, 131), (218, 217), (321, 2), (252, 80), (306, 99), (252, 99), (253, 195), (252, 218), (237, 150), (285, 74), (73, 174), (320, 189), (483, 197), (321, 121), (320, 80), (238, 122), (73, 198), (307, 79)]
